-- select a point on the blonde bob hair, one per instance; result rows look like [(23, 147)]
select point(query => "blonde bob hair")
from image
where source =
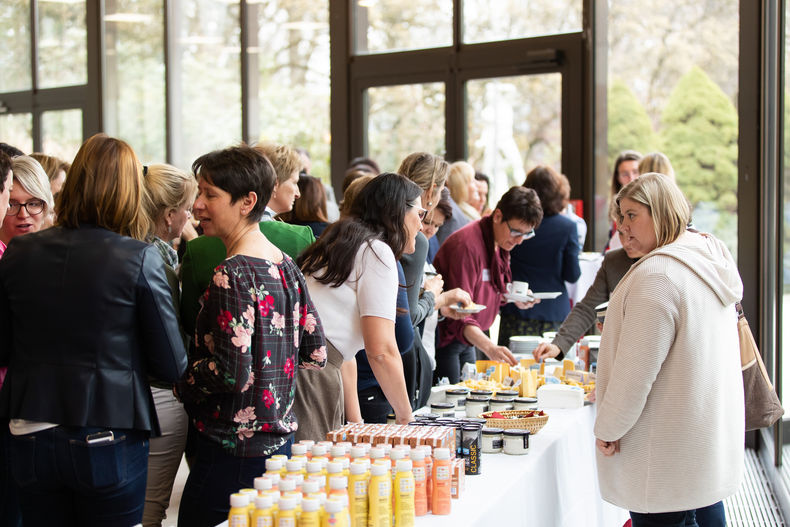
[(283, 158), (669, 209), (30, 175), (168, 188), (459, 176), (426, 170), (104, 187), (656, 162)]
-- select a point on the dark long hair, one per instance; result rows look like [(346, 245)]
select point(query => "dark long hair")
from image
[(377, 213)]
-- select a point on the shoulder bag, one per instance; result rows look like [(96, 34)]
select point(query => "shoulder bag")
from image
[(761, 403)]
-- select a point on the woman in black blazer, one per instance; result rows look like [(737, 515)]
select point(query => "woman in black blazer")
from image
[(86, 318)]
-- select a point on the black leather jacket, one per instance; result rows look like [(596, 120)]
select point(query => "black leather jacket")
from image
[(85, 317)]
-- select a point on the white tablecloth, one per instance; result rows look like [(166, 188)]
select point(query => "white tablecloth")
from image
[(589, 264), (554, 485)]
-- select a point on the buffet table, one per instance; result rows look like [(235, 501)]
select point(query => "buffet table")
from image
[(555, 484)]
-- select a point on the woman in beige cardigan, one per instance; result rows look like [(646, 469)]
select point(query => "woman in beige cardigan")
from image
[(670, 421)]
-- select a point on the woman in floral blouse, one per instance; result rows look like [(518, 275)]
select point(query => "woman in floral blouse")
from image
[(256, 327)]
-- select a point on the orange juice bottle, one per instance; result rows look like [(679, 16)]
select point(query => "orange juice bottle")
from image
[(318, 450), (308, 444), (338, 451), (286, 515), (377, 452), (379, 496), (358, 494), (299, 452), (263, 515), (294, 471), (420, 481), (357, 452), (262, 484), (442, 479), (333, 468), (428, 474), (404, 494), (239, 515)]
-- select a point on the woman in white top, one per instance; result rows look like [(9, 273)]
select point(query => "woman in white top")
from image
[(352, 276), (670, 423)]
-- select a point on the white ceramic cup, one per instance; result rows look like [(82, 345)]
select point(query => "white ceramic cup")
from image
[(518, 288)]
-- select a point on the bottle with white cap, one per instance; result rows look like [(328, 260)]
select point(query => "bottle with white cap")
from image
[(404, 494), (311, 515), (263, 515), (286, 515), (239, 516)]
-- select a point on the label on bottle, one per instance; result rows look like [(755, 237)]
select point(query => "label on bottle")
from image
[(443, 472), (406, 485), (263, 521), (239, 520)]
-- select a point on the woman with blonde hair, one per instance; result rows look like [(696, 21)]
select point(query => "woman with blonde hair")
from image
[(463, 189), (425, 296), (287, 163), (96, 298), (55, 168), (670, 421), (656, 162), (171, 193), (30, 204)]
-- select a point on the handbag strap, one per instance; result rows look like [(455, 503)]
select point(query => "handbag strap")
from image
[(739, 310)]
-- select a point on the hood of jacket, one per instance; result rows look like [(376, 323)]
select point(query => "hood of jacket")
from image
[(707, 257)]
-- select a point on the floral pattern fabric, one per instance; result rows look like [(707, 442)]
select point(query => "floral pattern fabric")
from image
[(256, 328)]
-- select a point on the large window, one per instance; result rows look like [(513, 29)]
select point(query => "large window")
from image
[(135, 75), (477, 80), (46, 84), (679, 97)]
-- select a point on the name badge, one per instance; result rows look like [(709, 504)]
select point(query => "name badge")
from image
[(486, 275)]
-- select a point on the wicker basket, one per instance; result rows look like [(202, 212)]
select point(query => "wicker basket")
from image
[(533, 424)]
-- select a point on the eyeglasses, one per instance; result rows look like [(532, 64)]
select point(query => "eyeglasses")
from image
[(515, 234), (33, 208), (421, 212)]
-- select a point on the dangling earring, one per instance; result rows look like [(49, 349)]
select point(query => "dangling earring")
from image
[(169, 231)]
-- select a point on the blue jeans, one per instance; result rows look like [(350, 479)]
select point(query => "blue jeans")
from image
[(64, 480), (10, 515), (664, 519), (213, 477), (712, 516), (451, 358)]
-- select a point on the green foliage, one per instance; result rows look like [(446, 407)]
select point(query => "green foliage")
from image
[(629, 124), (700, 136)]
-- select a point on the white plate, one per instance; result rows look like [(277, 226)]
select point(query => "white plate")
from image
[(547, 296), (477, 308), (512, 297)]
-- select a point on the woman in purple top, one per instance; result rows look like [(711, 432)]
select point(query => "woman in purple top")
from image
[(257, 326), (476, 258)]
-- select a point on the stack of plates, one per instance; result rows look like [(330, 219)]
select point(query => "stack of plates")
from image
[(524, 345)]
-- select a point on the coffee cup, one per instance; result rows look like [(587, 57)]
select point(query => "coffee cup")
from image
[(518, 288)]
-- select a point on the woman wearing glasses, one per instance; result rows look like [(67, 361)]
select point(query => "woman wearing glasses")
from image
[(352, 275), (86, 315), (30, 200), (546, 261), (476, 258)]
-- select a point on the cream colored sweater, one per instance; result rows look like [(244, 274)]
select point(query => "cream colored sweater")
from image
[(669, 380)]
